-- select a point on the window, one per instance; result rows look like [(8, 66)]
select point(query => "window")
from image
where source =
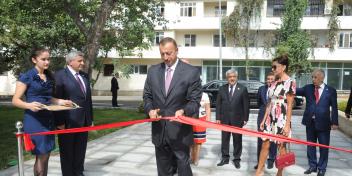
[(345, 40), (334, 78), (221, 11), (108, 69), (345, 10), (188, 9), (214, 86), (161, 10), (275, 8), (140, 69), (158, 37), (347, 77), (216, 40), (190, 40), (315, 8)]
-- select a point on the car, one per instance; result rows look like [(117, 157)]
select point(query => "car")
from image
[(212, 88)]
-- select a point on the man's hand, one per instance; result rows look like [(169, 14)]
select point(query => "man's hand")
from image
[(218, 122), (244, 123), (61, 127), (334, 127), (347, 115), (154, 113), (179, 113)]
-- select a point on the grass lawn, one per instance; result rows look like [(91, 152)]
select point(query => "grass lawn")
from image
[(342, 105), (10, 115)]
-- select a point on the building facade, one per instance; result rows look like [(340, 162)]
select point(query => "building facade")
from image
[(195, 26)]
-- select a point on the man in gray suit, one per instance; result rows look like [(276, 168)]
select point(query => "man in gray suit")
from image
[(232, 108), (172, 88)]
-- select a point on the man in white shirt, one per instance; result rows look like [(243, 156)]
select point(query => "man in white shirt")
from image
[(73, 84)]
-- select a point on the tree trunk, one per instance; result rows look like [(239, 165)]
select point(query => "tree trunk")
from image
[(95, 33)]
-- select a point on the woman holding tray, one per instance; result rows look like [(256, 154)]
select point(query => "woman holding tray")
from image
[(37, 85)]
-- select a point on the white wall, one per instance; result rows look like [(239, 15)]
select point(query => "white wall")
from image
[(7, 84)]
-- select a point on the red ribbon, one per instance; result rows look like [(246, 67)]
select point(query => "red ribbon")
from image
[(28, 145), (185, 120)]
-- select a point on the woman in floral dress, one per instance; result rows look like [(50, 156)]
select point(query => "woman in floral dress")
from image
[(278, 113)]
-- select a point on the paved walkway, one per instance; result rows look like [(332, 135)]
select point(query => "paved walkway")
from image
[(129, 152)]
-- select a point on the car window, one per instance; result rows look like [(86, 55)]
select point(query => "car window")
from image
[(254, 85), (214, 86)]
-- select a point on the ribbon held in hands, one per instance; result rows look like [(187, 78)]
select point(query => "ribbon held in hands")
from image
[(185, 120)]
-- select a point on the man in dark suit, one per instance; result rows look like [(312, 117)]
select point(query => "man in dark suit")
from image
[(318, 119), (114, 88), (262, 98), (172, 88), (232, 108), (73, 84), (349, 105)]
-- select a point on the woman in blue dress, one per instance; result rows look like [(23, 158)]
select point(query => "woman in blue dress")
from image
[(37, 85)]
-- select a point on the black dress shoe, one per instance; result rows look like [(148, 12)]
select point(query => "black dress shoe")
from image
[(310, 170), (256, 167), (270, 164), (223, 162), (237, 164), (321, 173)]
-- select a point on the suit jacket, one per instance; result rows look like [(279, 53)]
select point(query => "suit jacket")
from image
[(232, 110), (262, 100), (324, 118), (349, 103), (114, 84), (184, 93), (67, 87)]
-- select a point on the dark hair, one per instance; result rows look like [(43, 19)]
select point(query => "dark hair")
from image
[(35, 53), (283, 60), (168, 40)]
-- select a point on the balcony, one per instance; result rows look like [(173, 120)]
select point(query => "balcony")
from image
[(193, 23), (265, 23), (230, 53), (309, 23)]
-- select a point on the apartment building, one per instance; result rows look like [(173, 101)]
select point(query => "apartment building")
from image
[(195, 26)]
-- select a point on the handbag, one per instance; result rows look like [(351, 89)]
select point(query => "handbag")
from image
[(285, 160)]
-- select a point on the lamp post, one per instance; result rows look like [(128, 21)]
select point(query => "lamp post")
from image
[(220, 42)]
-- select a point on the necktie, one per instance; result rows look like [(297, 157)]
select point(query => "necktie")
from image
[(168, 79), (231, 90), (316, 94), (80, 83)]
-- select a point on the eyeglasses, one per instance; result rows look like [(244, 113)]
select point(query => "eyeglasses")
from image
[(273, 67)]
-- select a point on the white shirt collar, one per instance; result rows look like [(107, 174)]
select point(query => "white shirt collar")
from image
[(72, 70), (173, 67), (234, 86)]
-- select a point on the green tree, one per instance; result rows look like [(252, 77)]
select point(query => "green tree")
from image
[(293, 41), (237, 24), (71, 24)]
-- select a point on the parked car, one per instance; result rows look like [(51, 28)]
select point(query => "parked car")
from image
[(212, 88)]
